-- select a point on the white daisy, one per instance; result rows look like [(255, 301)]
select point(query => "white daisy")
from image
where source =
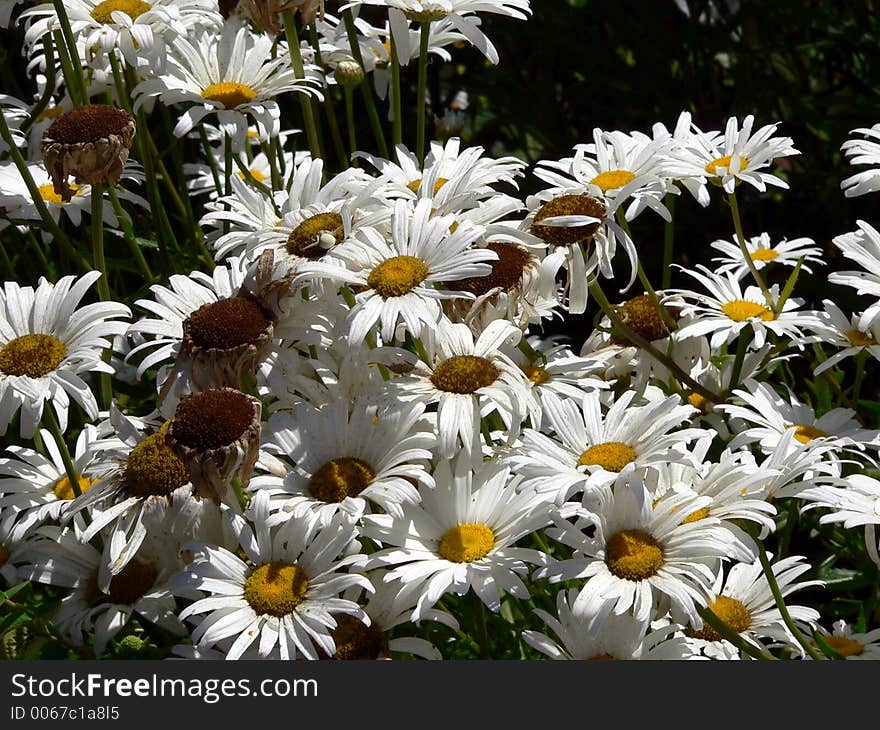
[(343, 454), (863, 152), (468, 379), (763, 253), (284, 594), (727, 310), (461, 536), (855, 334), (863, 248), (602, 634), (233, 74), (851, 644), (46, 343), (642, 558), (398, 276)]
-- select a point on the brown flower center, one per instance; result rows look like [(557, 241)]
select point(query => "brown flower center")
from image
[(644, 318), (212, 419), (133, 582), (88, 124), (340, 478), (32, 355), (355, 640), (568, 205), (227, 323), (464, 374), (507, 272)]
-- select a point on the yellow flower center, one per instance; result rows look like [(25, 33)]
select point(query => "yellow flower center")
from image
[(568, 205), (397, 276), (230, 94), (47, 193), (860, 339), (633, 555), (699, 402), (415, 185), (355, 640), (464, 374), (536, 374), (52, 112), (153, 469), (32, 355), (740, 310), (764, 254), (805, 433), (731, 612), (724, 162), (844, 645), (612, 179), (340, 478), (64, 490), (466, 543), (255, 174), (4, 555), (132, 8), (315, 236), (425, 16), (134, 581), (612, 455), (700, 514), (275, 589)]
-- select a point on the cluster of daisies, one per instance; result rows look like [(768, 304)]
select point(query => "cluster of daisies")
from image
[(358, 443)]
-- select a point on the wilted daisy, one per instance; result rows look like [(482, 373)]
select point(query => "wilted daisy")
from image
[(282, 592), (47, 341), (602, 634), (140, 30), (233, 74), (343, 454), (398, 276), (851, 644), (863, 152), (641, 556), (468, 379), (763, 253), (739, 156), (461, 536), (745, 603), (591, 449), (855, 334), (727, 310)]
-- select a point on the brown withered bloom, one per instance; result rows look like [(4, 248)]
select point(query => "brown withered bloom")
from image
[(265, 14), (216, 434), (89, 142), (644, 318), (578, 204)]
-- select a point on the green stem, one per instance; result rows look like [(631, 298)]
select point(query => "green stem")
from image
[(741, 240), (37, 198), (97, 225), (639, 341), (780, 603), (732, 636), (335, 134), (51, 422), (482, 628), (860, 376), (349, 120), (668, 243), (212, 163), (742, 345), (396, 100), (130, 238), (421, 106), (370, 102), (67, 33), (298, 67)]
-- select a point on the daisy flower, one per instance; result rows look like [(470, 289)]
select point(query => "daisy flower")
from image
[(602, 634), (284, 592), (233, 74), (855, 334), (14, 112), (344, 454), (863, 248), (863, 152), (745, 603), (461, 536), (398, 276), (47, 342), (739, 156), (460, 14), (641, 556), (58, 558), (851, 644), (468, 379), (774, 415), (763, 253), (140, 30), (590, 450), (11, 546), (727, 310)]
